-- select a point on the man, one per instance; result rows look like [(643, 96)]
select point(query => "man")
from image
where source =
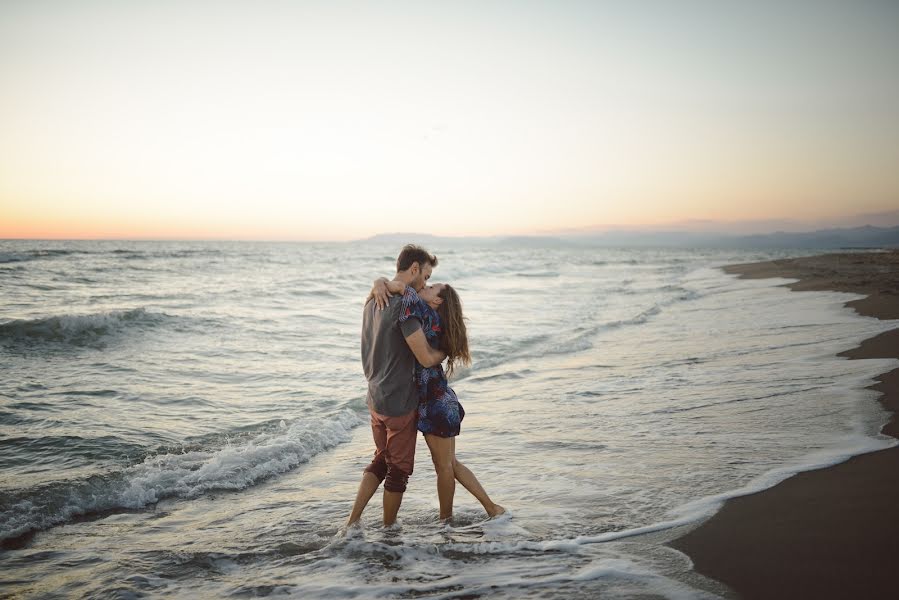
[(389, 352)]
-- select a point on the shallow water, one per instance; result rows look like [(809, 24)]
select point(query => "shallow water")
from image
[(183, 419)]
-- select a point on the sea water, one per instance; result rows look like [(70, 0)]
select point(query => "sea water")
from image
[(187, 419)]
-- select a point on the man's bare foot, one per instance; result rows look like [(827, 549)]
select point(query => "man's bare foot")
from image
[(351, 529), (496, 511)]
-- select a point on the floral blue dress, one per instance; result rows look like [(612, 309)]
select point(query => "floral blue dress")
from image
[(439, 410)]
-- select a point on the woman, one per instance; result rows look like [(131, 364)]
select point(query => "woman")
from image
[(440, 414)]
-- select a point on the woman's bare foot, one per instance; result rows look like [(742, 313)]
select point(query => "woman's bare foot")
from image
[(496, 511)]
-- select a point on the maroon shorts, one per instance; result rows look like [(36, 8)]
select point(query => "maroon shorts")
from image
[(394, 458)]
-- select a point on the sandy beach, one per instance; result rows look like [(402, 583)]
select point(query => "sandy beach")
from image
[(832, 532)]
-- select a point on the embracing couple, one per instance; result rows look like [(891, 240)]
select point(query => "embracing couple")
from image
[(408, 329)]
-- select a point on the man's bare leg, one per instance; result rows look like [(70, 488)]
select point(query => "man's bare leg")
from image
[(392, 501), (443, 454), (367, 488), (471, 483)]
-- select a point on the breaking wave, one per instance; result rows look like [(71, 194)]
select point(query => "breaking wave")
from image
[(184, 475)]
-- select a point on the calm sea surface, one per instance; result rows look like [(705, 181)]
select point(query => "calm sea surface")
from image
[(188, 419)]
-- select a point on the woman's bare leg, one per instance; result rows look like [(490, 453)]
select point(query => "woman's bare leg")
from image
[(443, 454), (471, 483)]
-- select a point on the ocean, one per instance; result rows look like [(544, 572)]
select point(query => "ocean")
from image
[(187, 419)]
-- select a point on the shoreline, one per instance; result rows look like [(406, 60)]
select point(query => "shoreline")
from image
[(831, 532)]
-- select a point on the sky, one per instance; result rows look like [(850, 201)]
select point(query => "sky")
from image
[(340, 120)]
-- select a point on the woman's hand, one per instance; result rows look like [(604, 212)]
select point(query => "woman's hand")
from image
[(380, 292), (382, 289)]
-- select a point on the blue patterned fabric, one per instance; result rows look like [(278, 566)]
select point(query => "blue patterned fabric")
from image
[(439, 410)]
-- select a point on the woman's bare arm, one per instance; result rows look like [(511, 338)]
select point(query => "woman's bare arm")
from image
[(381, 290)]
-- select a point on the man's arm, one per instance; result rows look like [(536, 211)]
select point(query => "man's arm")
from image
[(424, 354)]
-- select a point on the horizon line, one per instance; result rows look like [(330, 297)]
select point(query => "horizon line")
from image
[(569, 233)]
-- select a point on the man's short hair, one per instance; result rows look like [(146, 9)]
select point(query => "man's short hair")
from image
[(414, 254)]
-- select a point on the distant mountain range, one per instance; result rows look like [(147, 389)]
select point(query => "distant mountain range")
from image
[(856, 237), (747, 227), (867, 236)]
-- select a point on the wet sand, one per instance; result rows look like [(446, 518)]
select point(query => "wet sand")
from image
[(832, 532)]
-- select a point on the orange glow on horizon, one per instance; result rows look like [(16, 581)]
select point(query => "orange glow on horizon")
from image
[(317, 123)]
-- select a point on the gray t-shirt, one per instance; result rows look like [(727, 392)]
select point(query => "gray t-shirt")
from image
[(388, 362)]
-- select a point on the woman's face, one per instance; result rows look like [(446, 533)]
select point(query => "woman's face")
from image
[(431, 295)]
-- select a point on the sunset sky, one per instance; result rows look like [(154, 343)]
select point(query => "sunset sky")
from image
[(340, 120)]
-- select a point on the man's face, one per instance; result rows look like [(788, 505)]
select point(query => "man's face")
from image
[(424, 273)]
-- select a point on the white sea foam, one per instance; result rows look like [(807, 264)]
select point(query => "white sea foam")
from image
[(508, 577), (853, 445), (185, 475), (701, 508)]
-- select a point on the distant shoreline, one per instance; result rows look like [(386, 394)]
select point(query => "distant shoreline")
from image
[(831, 532), (866, 237)]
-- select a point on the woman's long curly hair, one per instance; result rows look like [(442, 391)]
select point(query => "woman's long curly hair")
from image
[(454, 338)]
